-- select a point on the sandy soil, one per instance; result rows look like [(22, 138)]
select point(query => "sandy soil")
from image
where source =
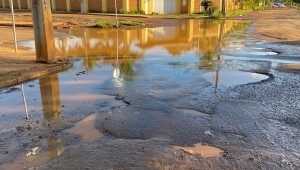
[(20, 66), (276, 25)]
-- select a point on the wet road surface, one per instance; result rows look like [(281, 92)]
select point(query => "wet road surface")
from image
[(199, 95)]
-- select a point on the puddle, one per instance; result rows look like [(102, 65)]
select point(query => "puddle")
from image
[(233, 77), (263, 53), (37, 156), (102, 55), (203, 151), (122, 60), (86, 129)]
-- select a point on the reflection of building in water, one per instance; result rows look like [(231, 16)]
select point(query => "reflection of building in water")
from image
[(176, 39), (203, 38), (50, 94)]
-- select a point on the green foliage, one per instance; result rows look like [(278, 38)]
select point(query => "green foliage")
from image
[(217, 16), (105, 24), (203, 13), (209, 6), (256, 8), (238, 12), (244, 4), (130, 23), (112, 23), (136, 12)]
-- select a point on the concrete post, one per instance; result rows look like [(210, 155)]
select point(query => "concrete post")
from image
[(68, 5), (85, 5), (53, 5), (104, 6), (43, 31), (3, 3), (125, 6), (19, 4), (29, 2), (191, 6)]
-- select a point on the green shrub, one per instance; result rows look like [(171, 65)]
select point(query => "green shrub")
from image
[(238, 12), (256, 8), (136, 12), (113, 23), (217, 15), (130, 23), (105, 23)]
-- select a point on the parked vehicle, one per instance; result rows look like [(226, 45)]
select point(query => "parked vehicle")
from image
[(278, 5)]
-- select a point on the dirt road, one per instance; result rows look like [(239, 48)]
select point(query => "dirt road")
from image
[(276, 25), (145, 119)]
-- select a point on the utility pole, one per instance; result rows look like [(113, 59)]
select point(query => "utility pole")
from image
[(224, 7), (43, 31), (13, 23)]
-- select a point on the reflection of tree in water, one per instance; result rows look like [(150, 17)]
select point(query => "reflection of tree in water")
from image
[(210, 45), (208, 24), (126, 58), (179, 49)]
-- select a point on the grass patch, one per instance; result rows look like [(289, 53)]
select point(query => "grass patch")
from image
[(113, 23), (136, 12), (105, 23), (217, 16), (238, 12), (130, 23)]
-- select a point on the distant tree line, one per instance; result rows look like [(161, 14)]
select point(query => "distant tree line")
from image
[(251, 3)]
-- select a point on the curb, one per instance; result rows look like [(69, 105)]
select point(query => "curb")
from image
[(31, 76)]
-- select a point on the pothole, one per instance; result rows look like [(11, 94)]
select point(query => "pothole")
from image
[(233, 77)]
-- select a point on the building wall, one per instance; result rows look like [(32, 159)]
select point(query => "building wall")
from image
[(184, 6), (95, 5), (16, 4), (197, 6), (134, 5), (111, 5), (24, 4), (75, 5), (61, 5)]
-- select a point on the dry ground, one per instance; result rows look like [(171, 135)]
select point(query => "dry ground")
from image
[(20, 66), (276, 25)]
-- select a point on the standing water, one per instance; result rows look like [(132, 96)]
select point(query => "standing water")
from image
[(147, 68)]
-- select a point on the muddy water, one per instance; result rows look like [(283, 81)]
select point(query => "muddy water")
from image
[(150, 61), (201, 150)]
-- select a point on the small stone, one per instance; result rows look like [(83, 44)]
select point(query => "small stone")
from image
[(20, 128), (208, 133)]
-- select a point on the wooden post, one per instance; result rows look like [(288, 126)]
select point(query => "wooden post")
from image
[(43, 31)]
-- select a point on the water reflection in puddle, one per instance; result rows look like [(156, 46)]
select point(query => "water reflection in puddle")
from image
[(203, 151), (52, 148), (123, 57), (86, 129), (233, 77)]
